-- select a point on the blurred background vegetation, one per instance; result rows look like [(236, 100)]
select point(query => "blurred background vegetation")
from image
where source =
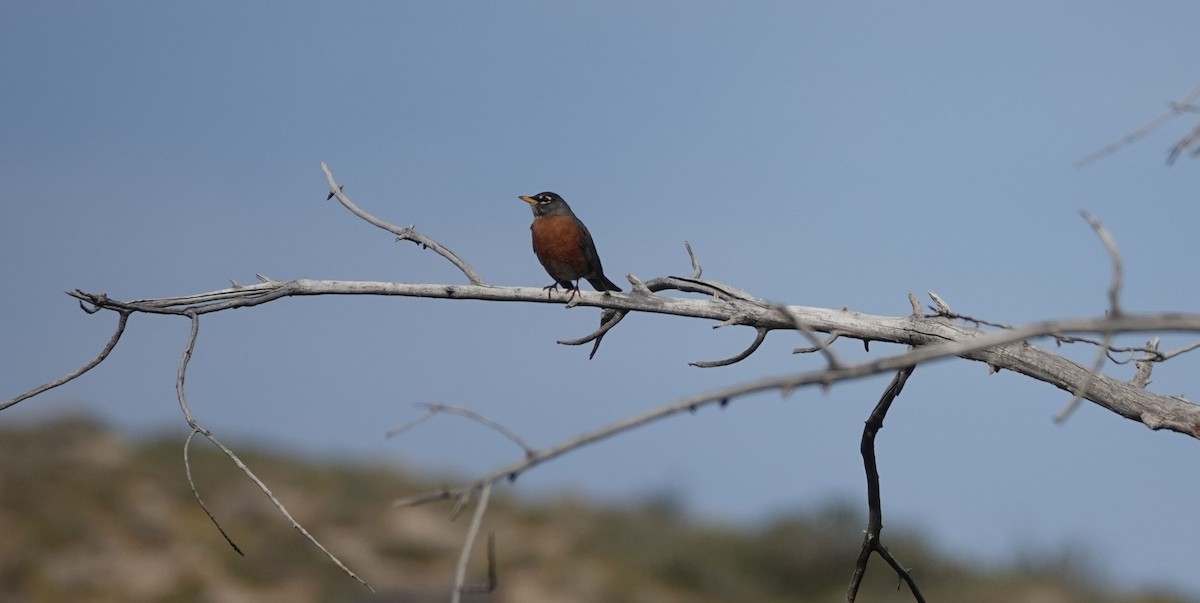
[(88, 516)]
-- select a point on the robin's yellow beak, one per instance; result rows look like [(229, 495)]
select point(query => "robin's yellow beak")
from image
[(528, 199)]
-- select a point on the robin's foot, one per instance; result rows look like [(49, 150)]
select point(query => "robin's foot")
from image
[(573, 292)]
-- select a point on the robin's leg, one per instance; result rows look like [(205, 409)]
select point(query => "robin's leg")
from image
[(551, 287), (573, 289)]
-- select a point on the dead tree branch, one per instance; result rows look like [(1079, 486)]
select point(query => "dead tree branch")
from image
[(1181, 106), (872, 541), (926, 337), (402, 234), (108, 348), (935, 337), (198, 429)]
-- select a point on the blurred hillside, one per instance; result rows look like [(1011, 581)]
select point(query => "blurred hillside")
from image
[(87, 516)]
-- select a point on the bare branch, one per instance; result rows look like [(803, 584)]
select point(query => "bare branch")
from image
[(187, 469), (1114, 255), (1183, 144), (916, 305), (933, 335), (1145, 365), (998, 349), (833, 336), (402, 234), (872, 542), (433, 409), (1175, 109), (696, 269), (608, 319), (112, 343), (818, 345), (1114, 302), (492, 582), (1169, 355), (758, 339), (460, 571), (940, 306), (197, 428)]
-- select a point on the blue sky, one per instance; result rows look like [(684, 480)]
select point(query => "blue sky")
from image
[(822, 154)]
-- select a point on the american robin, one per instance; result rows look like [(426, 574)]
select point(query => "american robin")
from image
[(564, 246)]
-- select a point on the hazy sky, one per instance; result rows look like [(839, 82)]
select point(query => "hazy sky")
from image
[(822, 154)]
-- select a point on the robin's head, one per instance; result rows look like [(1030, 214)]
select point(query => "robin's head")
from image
[(547, 204)]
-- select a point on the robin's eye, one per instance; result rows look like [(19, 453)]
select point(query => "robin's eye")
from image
[(543, 200)]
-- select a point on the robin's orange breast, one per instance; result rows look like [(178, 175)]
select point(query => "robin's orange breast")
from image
[(558, 243)]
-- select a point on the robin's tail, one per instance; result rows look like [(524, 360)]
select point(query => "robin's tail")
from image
[(601, 283)]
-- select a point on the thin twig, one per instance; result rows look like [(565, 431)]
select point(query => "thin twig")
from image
[(696, 269), (1145, 365), (818, 345), (1183, 144), (402, 234), (1114, 302), (833, 336), (181, 373), (1173, 353), (197, 428), (187, 469), (609, 318), (871, 538), (758, 339), (112, 343), (492, 581), (939, 305), (460, 571), (1114, 256), (461, 411), (1175, 109)]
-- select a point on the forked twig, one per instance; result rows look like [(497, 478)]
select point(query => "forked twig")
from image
[(197, 428), (187, 469), (1175, 109), (871, 538)]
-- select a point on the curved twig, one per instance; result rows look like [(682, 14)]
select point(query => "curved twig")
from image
[(833, 336), (433, 409), (819, 346), (187, 469), (606, 325), (197, 428), (112, 343), (758, 339), (402, 234)]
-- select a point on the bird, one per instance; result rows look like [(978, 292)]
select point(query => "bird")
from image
[(564, 246)]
